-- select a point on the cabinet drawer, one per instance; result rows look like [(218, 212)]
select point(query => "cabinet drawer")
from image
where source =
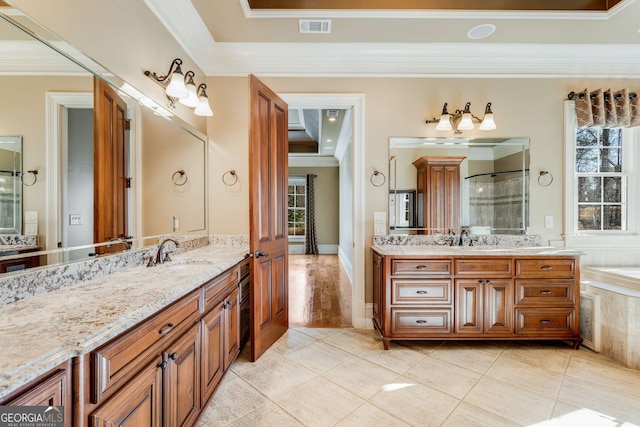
[(421, 291), (546, 267), (244, 268), (416, 321), (115, 362), (245, 290), (546, 321), (484, 267), (216, 289), (545, 292), (420, 267)]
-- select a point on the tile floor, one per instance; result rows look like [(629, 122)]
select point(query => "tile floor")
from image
[(343, 377)]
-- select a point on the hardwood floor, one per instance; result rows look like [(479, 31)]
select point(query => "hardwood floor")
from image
[(319, 292)]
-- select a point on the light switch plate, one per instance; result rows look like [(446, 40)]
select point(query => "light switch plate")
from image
[(548, 221), (31, 217), (379, 229), (379, 217), (75, 219), (31, 229)]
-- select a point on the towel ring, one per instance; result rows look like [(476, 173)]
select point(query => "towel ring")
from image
[(33, 172), (545, 182), (179, 178), (229, 178), (375, 174)]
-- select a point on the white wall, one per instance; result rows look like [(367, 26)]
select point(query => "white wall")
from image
[(345, 248)]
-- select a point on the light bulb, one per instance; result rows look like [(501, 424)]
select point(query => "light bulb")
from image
[(466, 123), (176, 87), (203, 108), (444, 123), (191, 100)]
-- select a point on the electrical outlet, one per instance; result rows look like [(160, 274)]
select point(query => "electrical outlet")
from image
[(75, 219), (548, 221), (31, 229), (379, 217), (31, 217), (379, 229)]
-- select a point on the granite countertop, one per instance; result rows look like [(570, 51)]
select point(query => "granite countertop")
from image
[(44, 330), (15, 248), (474, 251)]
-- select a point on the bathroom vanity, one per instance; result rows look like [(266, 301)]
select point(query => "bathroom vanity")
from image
[(466, 293)]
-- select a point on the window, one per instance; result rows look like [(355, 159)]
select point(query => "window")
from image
[(297, 212), (601, 180)]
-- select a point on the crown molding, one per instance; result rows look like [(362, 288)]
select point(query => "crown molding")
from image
[(429, 14), (306, 161), (182, 20), (442, 60), (32, 58)]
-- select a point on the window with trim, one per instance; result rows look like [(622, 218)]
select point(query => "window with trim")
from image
[(297, 211), (601, 180)]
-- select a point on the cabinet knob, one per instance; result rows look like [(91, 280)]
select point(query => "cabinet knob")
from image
[(173, 356), (162, 365), (488, 282), (481, 282), (421, 267)]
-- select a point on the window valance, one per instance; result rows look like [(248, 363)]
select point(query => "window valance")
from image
[(607, 109)]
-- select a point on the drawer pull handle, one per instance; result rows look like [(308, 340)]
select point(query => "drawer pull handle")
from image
[(422, 292), (545, 292), (545, 322), (488, 282), (422, 322), (421, 267), (173, 356), (166, 330), (546, 268)]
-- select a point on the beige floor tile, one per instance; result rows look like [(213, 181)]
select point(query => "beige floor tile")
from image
[(610, 375), (415, 403), (569, 415), (533, 378), (370, 416), (466, 415), (424, 347), (511, 402), (276, 375), (361, 377), (398, 358), (549, 357), (467, 357), (292, 340), (319, 357), (443, 376), (319, 333), (269, 415), (233, 399), (319, 403), (607, 401), (352, 342)]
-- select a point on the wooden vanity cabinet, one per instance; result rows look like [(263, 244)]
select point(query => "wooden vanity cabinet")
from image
[(502, 297), (50, 389), (138, 379)]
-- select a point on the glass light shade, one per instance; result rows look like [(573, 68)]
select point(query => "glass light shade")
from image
[(466, 123), (191, 100), (176, 87), (487, 122), (203, 108), (444, 123)]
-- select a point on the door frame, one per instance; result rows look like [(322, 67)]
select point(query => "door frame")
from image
[(361, 314)]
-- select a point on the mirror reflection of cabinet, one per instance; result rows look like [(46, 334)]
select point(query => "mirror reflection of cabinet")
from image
[(438, 192)]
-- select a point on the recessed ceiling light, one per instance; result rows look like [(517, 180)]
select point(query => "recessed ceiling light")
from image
[(329, 140), (481, 31), (332, 119)]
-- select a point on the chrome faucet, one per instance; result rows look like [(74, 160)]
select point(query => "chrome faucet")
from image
[(462, 234), (160, 259), (127, 245)]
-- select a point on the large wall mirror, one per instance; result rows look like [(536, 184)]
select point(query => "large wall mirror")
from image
[(442, 184), (48, 92)]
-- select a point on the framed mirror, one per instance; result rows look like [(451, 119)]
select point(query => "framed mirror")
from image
[(48, 99), (10, 184), (479, 184)]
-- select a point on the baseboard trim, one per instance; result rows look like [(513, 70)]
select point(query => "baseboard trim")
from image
[(346, 264), (322, 249)]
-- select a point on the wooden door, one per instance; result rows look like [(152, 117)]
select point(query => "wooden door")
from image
[(231, 328), (498, 306), (109, 165), (182, 380), (212, 351), (268, 237), (137, 404)]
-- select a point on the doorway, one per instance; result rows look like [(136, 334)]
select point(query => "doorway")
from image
[(351, 246)]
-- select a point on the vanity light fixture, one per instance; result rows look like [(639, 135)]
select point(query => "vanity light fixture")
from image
[(180, 87), (463, 119)]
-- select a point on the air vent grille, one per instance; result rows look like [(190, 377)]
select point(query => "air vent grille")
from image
[(333, 113), (317, 26)]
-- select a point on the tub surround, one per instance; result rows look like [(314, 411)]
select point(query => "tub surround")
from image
[(52, 326)]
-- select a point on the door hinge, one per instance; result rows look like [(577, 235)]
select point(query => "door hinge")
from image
[(127, 183), (127, 124)]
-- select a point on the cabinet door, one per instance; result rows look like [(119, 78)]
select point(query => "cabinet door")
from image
[(498, 303), (469, 314), (182, 380), (137, 404), (212, 351), (378, 281), (231, 328)]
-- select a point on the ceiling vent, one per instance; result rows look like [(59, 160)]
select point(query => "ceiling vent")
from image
[(333, 113), (317, 26)]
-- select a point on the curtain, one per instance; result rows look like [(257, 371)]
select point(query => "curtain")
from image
[(607, 109), (310, 242)]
